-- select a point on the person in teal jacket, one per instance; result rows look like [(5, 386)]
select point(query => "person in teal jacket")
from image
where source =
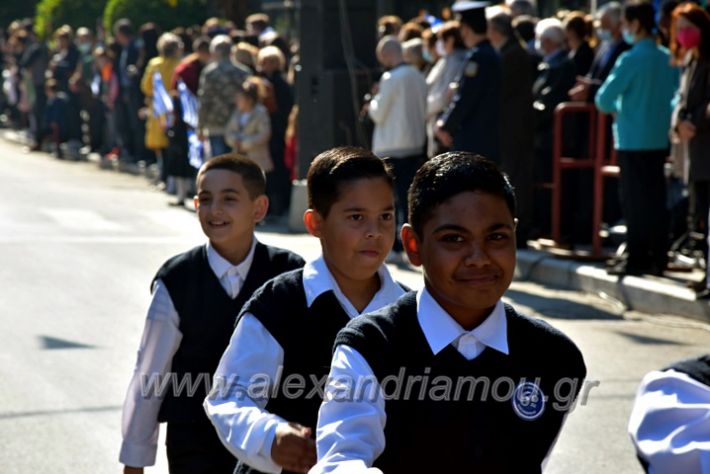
[(639, 93)]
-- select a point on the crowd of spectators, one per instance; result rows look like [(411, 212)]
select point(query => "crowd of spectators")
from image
[(77, 93), (648, 69)]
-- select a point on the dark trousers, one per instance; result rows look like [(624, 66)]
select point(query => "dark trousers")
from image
[(195, 448), (37, 115), (278, 182), (131, 129), (699, 203), (643, 203), (404, 170)]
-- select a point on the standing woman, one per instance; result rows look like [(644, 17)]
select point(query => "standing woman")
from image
[(639, 92), (169, 54), (577, 32), (452, 58), (690, 128)]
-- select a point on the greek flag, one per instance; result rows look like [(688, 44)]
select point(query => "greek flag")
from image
[(196, 149), (188, 101), (162, 103)]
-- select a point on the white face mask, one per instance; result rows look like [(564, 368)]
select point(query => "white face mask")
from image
[(440, 49)]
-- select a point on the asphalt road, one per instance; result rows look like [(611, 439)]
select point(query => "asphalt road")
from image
[(78, 249)]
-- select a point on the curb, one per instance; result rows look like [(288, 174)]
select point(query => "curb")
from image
[(648, 295), (20, 137)]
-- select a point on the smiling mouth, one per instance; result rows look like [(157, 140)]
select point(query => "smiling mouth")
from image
[(478, 280), (218, 224)]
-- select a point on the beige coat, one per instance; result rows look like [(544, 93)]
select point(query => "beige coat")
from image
[(252, 138)]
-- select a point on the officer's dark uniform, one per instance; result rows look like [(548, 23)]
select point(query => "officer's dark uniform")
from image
[(472, 118)]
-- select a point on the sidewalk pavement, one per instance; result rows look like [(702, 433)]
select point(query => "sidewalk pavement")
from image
[(652, 295), (648, 294)]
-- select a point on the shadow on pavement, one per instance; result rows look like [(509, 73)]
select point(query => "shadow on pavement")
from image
[(559, 308)]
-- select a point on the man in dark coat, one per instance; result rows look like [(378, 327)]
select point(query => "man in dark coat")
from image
[(612, 45), (130, 129), (516, 116), (471, 123)]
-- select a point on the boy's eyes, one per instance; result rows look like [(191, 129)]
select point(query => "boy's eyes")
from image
[(495, 237), (388, 216), (498, 236), (452, 238)]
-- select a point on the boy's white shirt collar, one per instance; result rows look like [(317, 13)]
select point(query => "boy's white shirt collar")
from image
[(317, 280), (440, 329), (221, 266)]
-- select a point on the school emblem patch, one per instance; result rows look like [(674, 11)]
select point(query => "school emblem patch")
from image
[(528, 401), (471, 69)]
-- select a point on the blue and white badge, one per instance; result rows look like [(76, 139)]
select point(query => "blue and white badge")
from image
[(528, 401)]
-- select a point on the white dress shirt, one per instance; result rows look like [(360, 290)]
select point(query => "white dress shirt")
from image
[(161, 339), (670, 423), (242, 423), (351, 434)]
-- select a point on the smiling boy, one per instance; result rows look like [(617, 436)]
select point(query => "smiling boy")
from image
[(197, 296), (285, 334), (450, 379)]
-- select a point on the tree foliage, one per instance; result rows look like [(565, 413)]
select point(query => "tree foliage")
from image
[(167, 14), (51, 14)]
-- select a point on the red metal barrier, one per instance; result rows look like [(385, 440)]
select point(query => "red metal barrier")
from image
[(561, 163), (603, 168)]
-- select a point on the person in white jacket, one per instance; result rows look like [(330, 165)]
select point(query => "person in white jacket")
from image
[(399, 112)]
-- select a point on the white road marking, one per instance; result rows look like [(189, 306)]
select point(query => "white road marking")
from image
[(83, 220)]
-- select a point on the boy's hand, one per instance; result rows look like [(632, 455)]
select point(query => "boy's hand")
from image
[(132, 470), (293, 448)]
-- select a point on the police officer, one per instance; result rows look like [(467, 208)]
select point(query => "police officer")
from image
[(471, 122)]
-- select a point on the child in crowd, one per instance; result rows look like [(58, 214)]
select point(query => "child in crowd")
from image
[(450, 379), (197, 296), (284, 336), (249, 128)]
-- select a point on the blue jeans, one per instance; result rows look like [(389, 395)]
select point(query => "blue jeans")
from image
[(218, 146)]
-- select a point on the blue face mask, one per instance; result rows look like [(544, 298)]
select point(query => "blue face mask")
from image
[(604, 35), (629, 37), (427, 56)]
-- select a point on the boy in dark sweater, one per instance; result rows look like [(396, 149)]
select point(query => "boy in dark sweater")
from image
[(197, 296), (273, 371), (450, 379)]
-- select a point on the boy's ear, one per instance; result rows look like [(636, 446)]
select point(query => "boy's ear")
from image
[(313, 221), (196, 202), (410, 241), (261, 207)]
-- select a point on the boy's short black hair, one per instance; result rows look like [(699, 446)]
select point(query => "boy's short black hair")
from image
[(251, 173), (449, 174), (337, 166)]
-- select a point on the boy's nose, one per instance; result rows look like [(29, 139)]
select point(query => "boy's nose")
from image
[(477, 255), (373, 231)]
